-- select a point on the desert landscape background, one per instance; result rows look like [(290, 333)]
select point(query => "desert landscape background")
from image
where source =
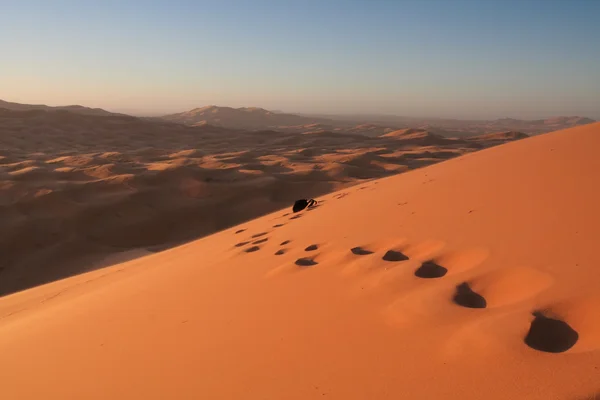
[(78, 184), (152, 155)]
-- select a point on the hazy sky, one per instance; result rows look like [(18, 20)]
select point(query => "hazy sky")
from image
[(454, 58)]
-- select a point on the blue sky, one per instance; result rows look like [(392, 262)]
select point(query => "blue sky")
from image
[(449, 58)]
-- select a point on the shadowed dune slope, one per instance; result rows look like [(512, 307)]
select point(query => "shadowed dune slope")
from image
[(475, 278)]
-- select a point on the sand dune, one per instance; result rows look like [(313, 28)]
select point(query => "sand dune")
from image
[(76, 187), (474, 278)]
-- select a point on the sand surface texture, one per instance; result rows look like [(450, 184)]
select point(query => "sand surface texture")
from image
[(475, 278)]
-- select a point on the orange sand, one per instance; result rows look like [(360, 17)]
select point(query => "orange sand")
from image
[(516, 224)]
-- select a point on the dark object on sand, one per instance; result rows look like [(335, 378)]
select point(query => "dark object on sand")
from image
[(301, 204)]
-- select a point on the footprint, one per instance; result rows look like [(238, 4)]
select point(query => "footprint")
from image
[(305, 262), (278, 225), (509, 285), (550, 335), (240, 231), (259, 241), (299, 264), (240, 244), (436, 264), (252, 249), (359, 251), (394, 256), (259, 235), (312, 247), (466, 297), (457, 261), (284, 242), (422, 250), (430, 270), (285, 215), (355, 260), (580, 314), (296, 216)]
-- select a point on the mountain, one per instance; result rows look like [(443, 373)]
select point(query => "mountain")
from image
[(72, 108), (254, 118), (240, 118)]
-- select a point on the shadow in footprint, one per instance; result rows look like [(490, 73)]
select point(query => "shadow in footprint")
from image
[(394, 256), (280, 252), (466, 297), (305, 262), (240, 244), (284, 242), (550, 335), (430, 269), (359, 251), (259, 241), (296, 216), (312, 247), (278, 225), (252, 249), (240, 231), (259, 234)]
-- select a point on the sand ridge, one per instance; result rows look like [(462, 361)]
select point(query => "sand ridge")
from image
[(476, 273)]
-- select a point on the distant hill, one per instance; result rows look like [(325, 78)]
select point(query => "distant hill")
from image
[(466, 128), (259, 119), (77, 109), (240, 118), (254, 118), (539, 125)]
